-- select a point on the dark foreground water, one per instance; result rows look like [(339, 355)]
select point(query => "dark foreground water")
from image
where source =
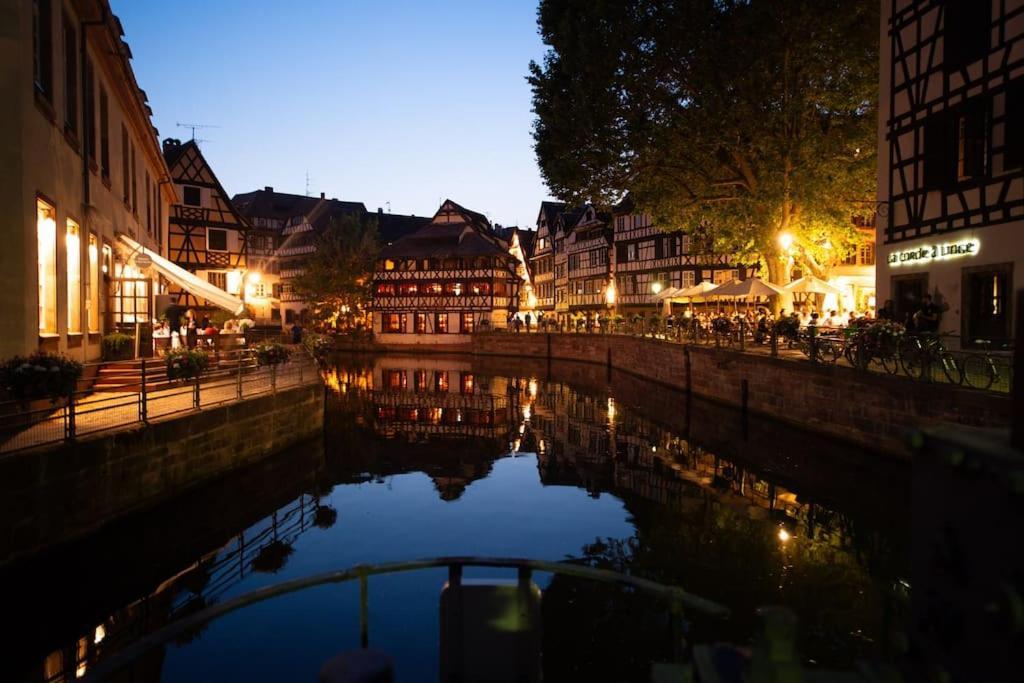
[(425, 457)]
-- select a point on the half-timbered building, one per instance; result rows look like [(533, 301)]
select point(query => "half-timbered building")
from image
[(207, 236), (649, 259), (450, 278), (588, 263), (542, 262), (951, 161)]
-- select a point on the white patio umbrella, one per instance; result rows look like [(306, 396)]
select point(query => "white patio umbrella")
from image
[(668, 293), (698, 291), (811, 285), (748, 289)]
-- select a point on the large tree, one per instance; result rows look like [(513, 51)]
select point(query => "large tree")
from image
[(336, 278), (755, 119)]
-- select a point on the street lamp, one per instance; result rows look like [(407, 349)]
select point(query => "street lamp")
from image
[(609, 293), (786, 241), (656, 288)]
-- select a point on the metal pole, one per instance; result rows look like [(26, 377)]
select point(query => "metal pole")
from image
[(238, 380), (69, 412), (143, 407), (195, 393), (273, 379)]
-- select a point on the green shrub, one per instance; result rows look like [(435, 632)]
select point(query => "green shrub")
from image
[(186, 363), (117, 345), (39, 375), (272, 354)]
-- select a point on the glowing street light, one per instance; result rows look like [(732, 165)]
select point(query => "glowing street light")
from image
[(783, 534), (786, 241), (609, 293), (656, 288)]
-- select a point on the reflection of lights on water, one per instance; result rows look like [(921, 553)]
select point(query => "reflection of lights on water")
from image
[(540, 446), (654, 449), (515, 445), (527, 411), (101, 633), (611, 409), (783, 535), (532, 387), (522, 429)]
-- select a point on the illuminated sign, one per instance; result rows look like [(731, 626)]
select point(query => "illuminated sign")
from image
[(934, 252)]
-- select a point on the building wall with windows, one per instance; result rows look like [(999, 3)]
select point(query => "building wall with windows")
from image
[(951, 161), (649, 259), (79, 164), (451, 278)]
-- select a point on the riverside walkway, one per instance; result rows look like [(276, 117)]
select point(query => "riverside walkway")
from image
[(92, 412)]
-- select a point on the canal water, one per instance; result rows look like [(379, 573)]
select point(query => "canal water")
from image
[(432, 456)]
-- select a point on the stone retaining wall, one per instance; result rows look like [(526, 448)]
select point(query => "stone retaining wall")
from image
[(51, 495), (873, 409)]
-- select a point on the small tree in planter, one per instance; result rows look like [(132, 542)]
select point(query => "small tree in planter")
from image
[(118, 346), (39, 375), (272, 354), (186, 363)]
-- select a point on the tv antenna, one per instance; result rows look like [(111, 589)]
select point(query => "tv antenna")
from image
[(388, 204), (307, 183), (193, 126)]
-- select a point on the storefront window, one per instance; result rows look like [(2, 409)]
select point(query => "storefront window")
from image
[(986, 293), (467, 323), (441, 323), (92, 301), (46, 243), (421, 323), (73, 242)]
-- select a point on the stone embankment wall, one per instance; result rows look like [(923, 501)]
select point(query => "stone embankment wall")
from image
[(872, 409), (55, 494)]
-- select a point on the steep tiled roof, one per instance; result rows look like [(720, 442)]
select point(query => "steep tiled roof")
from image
[(392, 227), (267, 203)]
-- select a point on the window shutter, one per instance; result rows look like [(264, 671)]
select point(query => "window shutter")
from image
[(939, 139)]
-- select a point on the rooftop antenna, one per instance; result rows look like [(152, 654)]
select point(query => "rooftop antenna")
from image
[(193, 127), (307, 183), (388, 204)]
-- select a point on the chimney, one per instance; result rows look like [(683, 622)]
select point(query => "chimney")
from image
[(380, 212), (268, 188), (171, 144), (323, 195)]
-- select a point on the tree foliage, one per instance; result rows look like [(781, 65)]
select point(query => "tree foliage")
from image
[(751, 118), (336, 278)]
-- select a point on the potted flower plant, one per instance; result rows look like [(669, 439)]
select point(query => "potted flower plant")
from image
[(186, 363), (40, 375), (272, 354)]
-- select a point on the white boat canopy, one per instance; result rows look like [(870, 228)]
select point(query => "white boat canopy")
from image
[(186, 280)]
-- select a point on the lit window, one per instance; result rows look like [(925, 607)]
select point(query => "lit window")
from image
[(421, 323), (73, 242), (93, 300), (108, 256), (46, 239), (441, 323), (389, 264)]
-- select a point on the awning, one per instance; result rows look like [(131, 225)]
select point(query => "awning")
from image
[(188, 281)]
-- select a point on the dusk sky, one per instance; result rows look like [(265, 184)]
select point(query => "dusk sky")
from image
[(401, 101)]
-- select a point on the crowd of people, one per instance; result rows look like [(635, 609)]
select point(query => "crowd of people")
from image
[(191, 331)]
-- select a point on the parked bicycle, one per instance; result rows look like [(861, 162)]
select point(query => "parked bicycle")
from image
[(919, 352), (981, 370)]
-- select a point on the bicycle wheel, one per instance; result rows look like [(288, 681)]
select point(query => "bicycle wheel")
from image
[(979, 372), (950, 368), (913, 358), (890, 363), (829, 351)]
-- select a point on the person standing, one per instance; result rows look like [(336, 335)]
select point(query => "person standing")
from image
[(528, 319), (887, 311), (927, 317)]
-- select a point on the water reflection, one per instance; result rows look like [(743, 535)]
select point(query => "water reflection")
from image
[(743, 511)]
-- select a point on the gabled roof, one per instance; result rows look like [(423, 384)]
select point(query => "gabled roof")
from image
[(549, 212), (267, 203), (454, 231), (188, 165), (392, 227)]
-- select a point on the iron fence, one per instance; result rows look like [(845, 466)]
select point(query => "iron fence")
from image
[(940, 359), (146, 396)]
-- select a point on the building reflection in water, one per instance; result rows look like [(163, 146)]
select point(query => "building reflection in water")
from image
[(694, 513)]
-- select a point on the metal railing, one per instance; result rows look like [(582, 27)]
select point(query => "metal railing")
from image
[(922, 357), (677, 599), (149, 395)]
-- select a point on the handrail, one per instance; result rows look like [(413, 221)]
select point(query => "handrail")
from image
[(672, 594)]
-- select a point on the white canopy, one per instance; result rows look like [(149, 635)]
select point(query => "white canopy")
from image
[(750, 288), (669, 293), (188, 281), (811, 285), (698, 291)]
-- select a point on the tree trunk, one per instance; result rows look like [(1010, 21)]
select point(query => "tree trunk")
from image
[(777, 275)]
